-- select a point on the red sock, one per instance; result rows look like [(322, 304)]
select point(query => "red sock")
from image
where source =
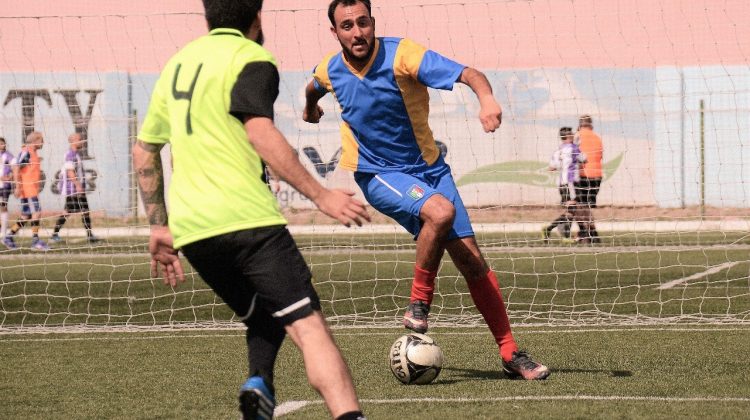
[(487, 297), (423, 286)]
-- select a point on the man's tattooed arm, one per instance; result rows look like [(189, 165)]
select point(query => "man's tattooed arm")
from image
[(148, 169)]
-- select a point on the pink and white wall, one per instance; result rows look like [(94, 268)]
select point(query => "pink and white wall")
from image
[(639, 67)]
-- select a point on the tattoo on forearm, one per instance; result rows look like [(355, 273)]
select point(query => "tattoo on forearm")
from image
[(148, 167), (151, 148)]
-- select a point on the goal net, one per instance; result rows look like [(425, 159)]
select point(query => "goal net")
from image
[(667, 84)]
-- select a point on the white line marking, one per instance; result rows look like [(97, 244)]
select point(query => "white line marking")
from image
[(713, 270), (291, 406), (291, 308), (565, 398), (382, 181), (252, 308)]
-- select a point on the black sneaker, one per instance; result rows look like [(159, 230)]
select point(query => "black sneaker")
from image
[(522, 366), (256, 400), (415, 318)]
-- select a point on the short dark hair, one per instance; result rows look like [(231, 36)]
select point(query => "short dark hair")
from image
[(335, 3), (2, 139), (235, 14), (565, 132)]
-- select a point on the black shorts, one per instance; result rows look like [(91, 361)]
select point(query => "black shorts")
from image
[(77, 203), (4, 195), (256, 270), (565, 194), (587, 189)]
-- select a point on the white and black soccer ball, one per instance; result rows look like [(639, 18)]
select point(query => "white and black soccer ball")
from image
[(415, 359)]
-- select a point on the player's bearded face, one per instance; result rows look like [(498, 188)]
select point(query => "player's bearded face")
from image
[(355, 31), (360, 47)]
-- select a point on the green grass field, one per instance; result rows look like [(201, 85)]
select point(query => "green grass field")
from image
[(597, 373), (618, 344)]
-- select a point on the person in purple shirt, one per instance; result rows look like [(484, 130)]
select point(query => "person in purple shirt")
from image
[(72, 186), (566, 161), (6, 185)]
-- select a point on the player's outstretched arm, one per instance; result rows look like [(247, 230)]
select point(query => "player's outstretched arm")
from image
[(312, 111), (279, 155), (490, 112), (148, 168)]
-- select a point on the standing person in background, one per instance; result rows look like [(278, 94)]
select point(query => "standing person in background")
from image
[(214, 104), (27, 172), (381, 85), (6, 185), (72, 186), (566, 161), (591, 176)]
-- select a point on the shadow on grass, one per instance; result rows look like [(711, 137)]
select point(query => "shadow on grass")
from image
[(612, 373), (461, 374)]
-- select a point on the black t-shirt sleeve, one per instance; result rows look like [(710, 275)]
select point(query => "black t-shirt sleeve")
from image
[(255, 91)]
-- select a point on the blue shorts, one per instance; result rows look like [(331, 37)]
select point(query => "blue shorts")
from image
[(401, 196), (26, 209)]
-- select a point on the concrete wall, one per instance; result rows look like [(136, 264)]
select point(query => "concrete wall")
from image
[(639, 67)]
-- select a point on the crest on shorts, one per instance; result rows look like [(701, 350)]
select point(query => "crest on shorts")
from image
[(416, 192)]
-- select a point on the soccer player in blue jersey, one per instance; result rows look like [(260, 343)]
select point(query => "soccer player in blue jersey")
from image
[(381, 85)]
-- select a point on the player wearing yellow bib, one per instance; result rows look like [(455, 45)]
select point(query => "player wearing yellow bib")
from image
[(213, 103)]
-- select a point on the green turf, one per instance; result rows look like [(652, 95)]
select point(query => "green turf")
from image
[(643, 373), (689, 363)]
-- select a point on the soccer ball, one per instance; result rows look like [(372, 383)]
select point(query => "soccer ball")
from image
[(415, 359)]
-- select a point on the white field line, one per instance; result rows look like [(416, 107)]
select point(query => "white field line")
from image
[(339, 332), (713, 270), (291, 406)]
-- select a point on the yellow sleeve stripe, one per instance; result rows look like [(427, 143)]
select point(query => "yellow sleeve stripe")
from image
[(408, 58), (416, 98), (321, 73), (349, 149)]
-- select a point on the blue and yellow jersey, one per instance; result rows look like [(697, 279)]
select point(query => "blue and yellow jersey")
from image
[(385, 107)]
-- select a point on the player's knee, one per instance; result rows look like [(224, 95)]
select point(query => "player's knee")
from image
[(439, 212), (310, 330)]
